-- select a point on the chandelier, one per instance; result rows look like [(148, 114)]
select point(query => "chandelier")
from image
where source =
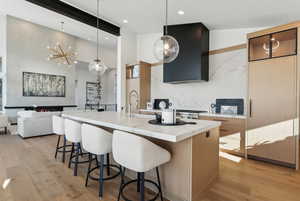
[(61, 53), (98, 65)]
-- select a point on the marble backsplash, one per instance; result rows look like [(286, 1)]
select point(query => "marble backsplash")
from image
[(228, 79)]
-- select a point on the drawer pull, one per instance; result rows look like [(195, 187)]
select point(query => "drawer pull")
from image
[(220, 120), (250, 108)]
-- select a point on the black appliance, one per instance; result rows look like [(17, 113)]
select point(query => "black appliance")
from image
[(238, 102), (165, 102), (192, 63)]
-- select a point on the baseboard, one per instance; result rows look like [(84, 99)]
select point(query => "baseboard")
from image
[(280, 163), (24, 138)]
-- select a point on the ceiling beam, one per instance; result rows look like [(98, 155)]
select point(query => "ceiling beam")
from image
[(77, 14)]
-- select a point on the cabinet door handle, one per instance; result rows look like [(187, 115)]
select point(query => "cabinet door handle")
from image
[(220, 120), (250, 108)]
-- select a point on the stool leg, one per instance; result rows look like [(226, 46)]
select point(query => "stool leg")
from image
[(76, 158), (121, 183), (57, 145), (138, 182), (88, 172), (142, 186), (5, 130), (97, 162), (80, 149), (71, 155), (158, 179), (101, 176), (64, 150), (108, 163)]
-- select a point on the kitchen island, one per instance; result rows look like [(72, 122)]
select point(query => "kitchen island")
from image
[(194, 149)]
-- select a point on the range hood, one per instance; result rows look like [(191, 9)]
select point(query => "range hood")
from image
[(192, 63)]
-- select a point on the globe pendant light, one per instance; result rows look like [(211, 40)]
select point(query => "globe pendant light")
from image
[(98, 65), (166, 48)]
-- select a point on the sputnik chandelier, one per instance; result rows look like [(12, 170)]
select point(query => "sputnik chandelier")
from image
[(61, 53)]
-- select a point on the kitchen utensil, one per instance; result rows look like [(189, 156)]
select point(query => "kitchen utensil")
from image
[(168, 116), (160, 104), (158, 117)]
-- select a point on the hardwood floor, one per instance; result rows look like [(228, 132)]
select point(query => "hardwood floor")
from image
[(29, 172)]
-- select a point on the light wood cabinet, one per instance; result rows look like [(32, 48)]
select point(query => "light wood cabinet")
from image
[(232, 134), (138, 78), (273, 102), (273, 45)]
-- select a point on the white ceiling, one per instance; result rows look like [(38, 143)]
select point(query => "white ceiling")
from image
[(147, 16), (30, 12)]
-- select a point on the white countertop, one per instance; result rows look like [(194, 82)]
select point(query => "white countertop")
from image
[(207, 114), (138, 124)]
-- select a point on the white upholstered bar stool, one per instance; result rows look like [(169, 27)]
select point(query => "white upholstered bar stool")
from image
[(58, 124), (140, 155), (73, 135), (98, 142)]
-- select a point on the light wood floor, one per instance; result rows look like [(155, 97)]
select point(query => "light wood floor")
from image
[(31, 174)]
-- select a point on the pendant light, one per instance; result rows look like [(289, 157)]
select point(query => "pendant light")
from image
[(166, 48), (98, 65)]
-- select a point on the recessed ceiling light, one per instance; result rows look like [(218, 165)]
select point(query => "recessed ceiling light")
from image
[(106, 38), (125, 21), (180, 12)]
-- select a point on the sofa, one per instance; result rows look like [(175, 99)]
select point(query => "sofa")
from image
[(32, 123)]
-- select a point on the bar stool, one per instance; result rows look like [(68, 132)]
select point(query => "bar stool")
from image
[(98, 142), (139, 155), (59, 130), (73, 134)]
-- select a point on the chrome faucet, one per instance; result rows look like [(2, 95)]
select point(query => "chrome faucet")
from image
[(130, 95)]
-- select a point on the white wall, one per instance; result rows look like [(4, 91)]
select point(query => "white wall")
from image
[(3, 56), (87, 53), (83, 75), (229, 37), (26, 51), (127, 54), (228, 72)]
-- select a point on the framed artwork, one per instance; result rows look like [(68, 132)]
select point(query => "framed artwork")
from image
[(43, 85), (91, 93)]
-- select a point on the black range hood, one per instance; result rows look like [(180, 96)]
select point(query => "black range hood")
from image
[(192, 63)]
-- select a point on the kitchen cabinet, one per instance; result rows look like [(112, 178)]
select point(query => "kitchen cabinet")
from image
[(273, 45), (273, 84), (232, 134)]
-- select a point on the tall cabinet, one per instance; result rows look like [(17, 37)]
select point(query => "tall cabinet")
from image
[(273, 104)]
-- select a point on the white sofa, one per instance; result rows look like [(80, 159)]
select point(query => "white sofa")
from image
[(31, 123)]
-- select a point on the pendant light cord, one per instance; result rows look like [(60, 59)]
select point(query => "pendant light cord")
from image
[(166, 30), (98, 30)]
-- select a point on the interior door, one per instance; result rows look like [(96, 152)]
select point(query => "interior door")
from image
[(272, 110)]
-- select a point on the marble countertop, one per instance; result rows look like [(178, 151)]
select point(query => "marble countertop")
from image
[(138, 124), (207, 114)]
